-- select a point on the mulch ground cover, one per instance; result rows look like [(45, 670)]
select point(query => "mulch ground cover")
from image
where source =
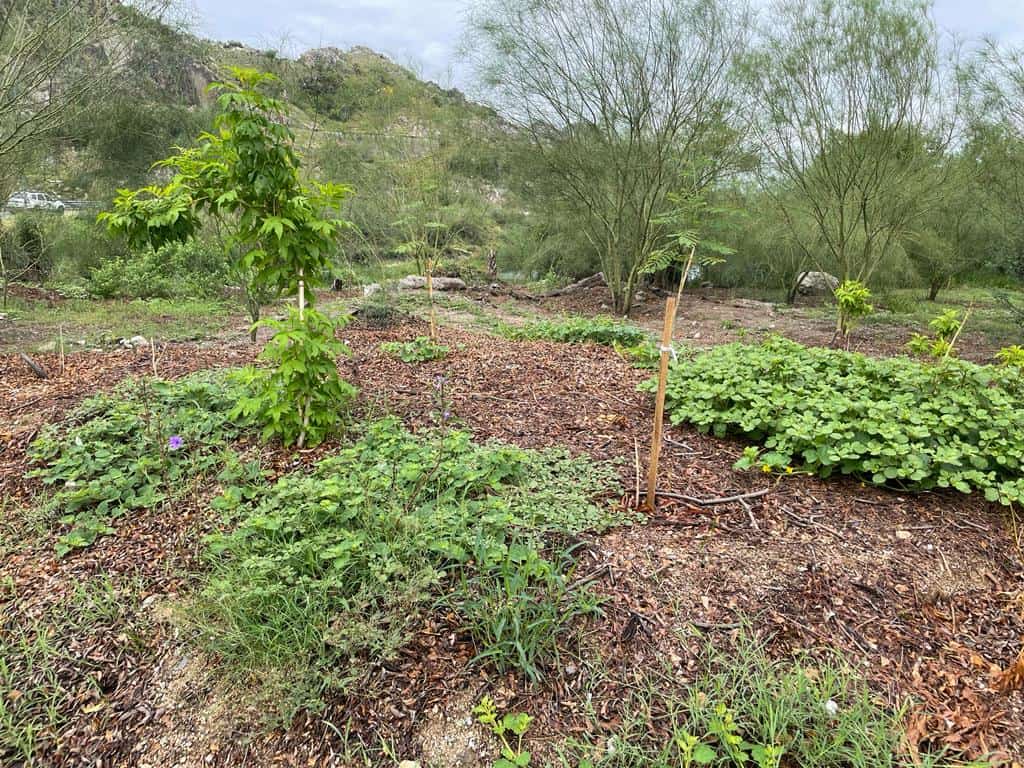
[(921, 593)]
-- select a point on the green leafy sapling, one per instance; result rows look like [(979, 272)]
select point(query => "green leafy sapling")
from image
[(947, 328), (852, 304), (514, 724), (1012, 356), (245, 177), (686, 243)]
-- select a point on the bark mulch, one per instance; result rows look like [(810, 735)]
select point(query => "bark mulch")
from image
[(921, 593)]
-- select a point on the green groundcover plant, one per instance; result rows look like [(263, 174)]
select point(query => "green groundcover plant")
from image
[(577, 330), (892, 421), (133, 449), (422, 349), (325, 574)]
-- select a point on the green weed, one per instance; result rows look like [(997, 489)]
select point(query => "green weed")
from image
[(132, 449), (577, 330), (518, 605), (323, 575), (746, 709), (420, 350)]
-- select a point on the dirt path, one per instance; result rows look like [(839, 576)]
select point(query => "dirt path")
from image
[(922, 594)]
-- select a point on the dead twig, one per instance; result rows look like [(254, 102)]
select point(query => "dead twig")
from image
[(808, 523), (36, 368), (713, 502)]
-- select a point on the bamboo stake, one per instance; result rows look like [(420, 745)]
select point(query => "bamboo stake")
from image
[(302, 296), (683, 278), (60, 336), (659, 403)]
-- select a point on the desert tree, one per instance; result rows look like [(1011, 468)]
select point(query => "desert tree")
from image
[(855, 102), (996, 77), (623, 102)]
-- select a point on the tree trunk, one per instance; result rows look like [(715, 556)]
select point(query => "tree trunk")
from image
[(933, 291)]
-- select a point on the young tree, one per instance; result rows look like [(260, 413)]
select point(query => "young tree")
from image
[(852, 113), (621, 99), (282, 233)]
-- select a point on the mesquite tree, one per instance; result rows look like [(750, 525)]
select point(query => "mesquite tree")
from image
[(282, 232), (620, 99), (852, 110)]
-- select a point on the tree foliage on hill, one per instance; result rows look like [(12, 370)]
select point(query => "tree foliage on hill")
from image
[(55, 58), (623, 102)]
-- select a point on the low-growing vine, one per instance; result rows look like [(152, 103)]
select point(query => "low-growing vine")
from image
[(891, 421)]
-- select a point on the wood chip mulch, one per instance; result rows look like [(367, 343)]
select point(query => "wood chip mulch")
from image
[(923, 594)]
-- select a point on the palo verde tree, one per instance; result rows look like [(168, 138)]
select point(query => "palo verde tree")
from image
[(852, 110), (283, 232), (620, 99)]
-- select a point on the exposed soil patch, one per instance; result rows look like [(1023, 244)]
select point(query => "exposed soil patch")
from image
[(921, 593)]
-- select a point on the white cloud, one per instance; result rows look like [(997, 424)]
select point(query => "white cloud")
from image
[(425, 33)]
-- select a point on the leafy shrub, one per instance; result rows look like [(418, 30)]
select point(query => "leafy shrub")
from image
[(517, 606), (325, 570), (893, 421), (132, 449), (303, 399), (577, 330), (420, 350), (1012, 356), (177, 270), (79, 247)]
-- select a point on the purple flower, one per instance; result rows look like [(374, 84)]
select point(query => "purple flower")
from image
[(439, 381), (175, 443), (446, 415)]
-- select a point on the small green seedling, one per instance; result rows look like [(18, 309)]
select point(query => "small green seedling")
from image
[(515, 723)]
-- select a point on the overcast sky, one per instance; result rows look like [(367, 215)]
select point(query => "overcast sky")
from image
[(425, 33)]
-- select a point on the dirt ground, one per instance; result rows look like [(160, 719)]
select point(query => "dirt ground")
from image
[(923, 594)]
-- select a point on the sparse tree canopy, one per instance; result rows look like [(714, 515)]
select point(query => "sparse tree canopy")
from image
[(623, 102), (852, 111)]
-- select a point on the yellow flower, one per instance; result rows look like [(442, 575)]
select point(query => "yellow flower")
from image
[(766, 467), (789, 470)]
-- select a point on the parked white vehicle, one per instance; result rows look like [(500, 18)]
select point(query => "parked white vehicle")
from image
[(35, 200)]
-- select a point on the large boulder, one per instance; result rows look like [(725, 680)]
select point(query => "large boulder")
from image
[(817, 282), (419, 282)]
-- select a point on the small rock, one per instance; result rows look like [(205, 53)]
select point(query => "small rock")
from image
[(49, 346), (418, 282), (371, 289), (134, 341), (831, 707), (817, 282), (408, 764), (570, 670), (904, 535)]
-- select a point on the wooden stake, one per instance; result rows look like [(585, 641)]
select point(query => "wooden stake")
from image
[(659, 403), (60, 336)]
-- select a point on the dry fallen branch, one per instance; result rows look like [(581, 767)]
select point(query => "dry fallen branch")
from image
[(713, 502), (37, 369)]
